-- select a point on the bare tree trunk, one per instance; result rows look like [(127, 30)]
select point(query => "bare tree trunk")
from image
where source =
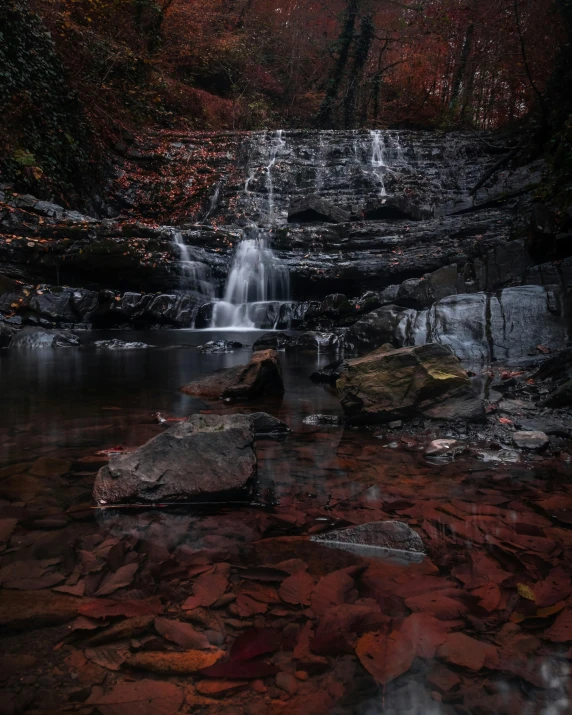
[(462, 67), (324, 116), (361, 54)]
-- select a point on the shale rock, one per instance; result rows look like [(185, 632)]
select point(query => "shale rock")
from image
[(205, 457), (261, 376), (265, 424), (426, 380), (33, 338), (315, 209)]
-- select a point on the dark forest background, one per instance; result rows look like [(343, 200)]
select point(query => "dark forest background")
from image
[(77, 77)]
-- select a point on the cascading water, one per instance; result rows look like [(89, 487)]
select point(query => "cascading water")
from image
[(378, 159), (194, 274), (257, 286)]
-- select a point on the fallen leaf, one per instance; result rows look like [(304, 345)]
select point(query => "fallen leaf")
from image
[(247, 606), (331, 590), (247, 670), (107, 608), (561, 630), (108, 657), (187, 663), (385, 656), (264, 573), (435, 604), (555, 587), (467, 652), (144, 697), (426, 633), (118, 579), (525, 591), (181, 633), (209, 587), (297, 589), (219, 688), (255, 642)]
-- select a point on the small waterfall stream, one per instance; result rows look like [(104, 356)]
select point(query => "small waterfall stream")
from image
[(257, 277), (195, 274)]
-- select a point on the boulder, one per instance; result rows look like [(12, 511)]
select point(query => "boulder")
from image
[(389, 324), (203, 458), (315, 209), (531, 440), (273, 341), (7, 332), (261, 376), (425, 380), (33, 338)]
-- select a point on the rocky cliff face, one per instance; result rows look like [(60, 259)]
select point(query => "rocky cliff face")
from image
[(361, 220)]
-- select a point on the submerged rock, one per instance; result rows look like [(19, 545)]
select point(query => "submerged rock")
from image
[(265, 424), (220, 346), (443, 448), (329, 373), (426, 380), (379, 538), (325, 420), (116, 344), (205, 457), (261, 376), (531, 440), (273, 341), (34, 338)]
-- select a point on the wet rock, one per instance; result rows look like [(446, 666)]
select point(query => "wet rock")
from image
[(427, 380), (205, 457), (34, 338), (55, 305), (261, 376), (388, 324), (273, 341), (329, 373), (315, 209), (316, 342), (220, 346), (561, 396), (265, 424), (443, 447), (374, 539), (326, 420), (287, 683), (546, 425), (395, 208), (531, 440), (116, 344), (7, 332)]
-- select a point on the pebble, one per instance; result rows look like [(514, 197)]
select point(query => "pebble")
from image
[(287, 683), (531, 440)]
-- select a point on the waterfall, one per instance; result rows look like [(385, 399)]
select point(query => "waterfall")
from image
[(194, 274), (257, 286), (378, 158), (275, 148)]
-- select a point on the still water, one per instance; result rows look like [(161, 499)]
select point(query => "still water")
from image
[(497, 572)]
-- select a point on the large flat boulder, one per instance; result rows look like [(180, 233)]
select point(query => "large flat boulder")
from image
[(426, 380), (261, 376), (206, 457)]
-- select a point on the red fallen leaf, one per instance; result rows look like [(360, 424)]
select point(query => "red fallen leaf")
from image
[(423, 585), (181, 633), (505, 421), (443, 679), (118, 579), (264, 573), (264, 594), (107, 608), (297, 589), (555, 587), (543, 349), (467, 652), (561, 630), (331, 590), (489, 596), (442, 607), (385, 656), (255, 642), (339, 627), (425, 632), (209, 587), (144, 697), (240, 670), (247, 606)]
